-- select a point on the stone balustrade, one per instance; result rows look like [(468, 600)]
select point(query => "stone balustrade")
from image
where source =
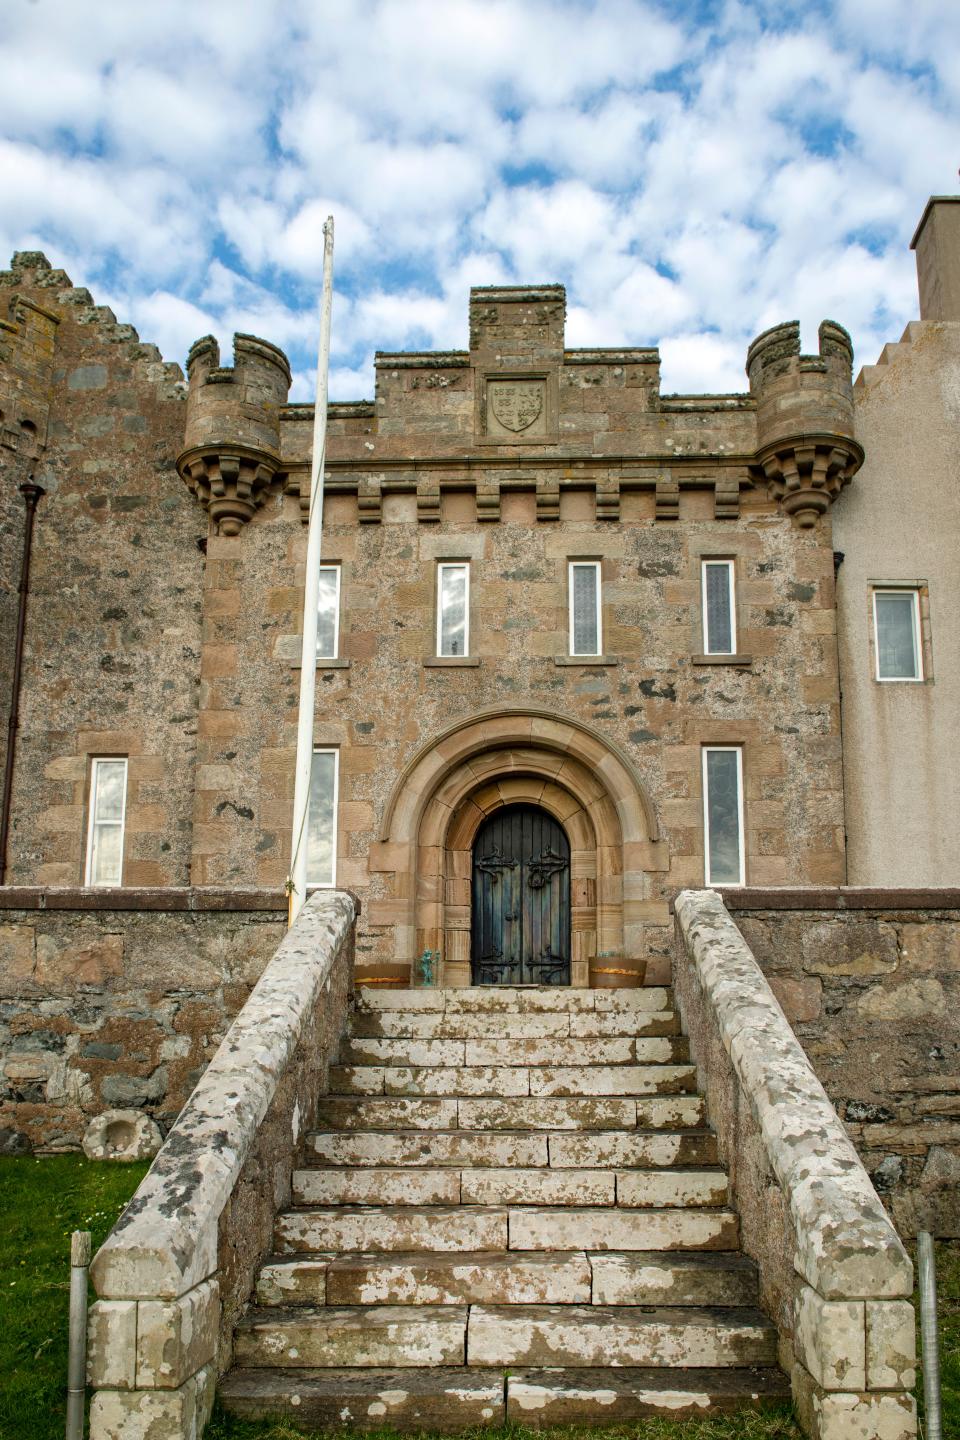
[(834, 1274), (178, 1266)]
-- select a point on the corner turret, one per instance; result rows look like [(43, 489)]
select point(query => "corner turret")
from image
[(233, 427), (806, 452)]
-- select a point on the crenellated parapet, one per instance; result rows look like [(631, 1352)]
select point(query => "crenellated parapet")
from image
[(806, 450), (232, 452)]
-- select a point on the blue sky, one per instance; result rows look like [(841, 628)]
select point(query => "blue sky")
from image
[(692, 172)]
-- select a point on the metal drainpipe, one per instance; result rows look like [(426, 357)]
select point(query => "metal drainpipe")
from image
[(31, 493)]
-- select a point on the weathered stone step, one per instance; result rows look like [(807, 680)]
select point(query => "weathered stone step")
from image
[(681, 1278), (537, 1185), (429, 1147), (422, 1278), (615, 1050), (666, 1189), (557, 1228), (503, 999), (514, 1277), (348, 1335), (471, 1080), (535, 1112), (398, 1227), (631, 1149), (350, 1185), (656, 1019), (584, 1150), (556, 1397), (579, 1336), (441, 1399)]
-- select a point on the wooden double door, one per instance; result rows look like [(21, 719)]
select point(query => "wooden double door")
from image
[(520, 923)]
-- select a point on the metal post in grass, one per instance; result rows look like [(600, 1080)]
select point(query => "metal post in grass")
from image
[(928, 1335), (80, 1248)]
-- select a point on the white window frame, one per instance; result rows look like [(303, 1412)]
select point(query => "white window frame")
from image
[(92, 824), (330, 884), (571, 629), (914, 593), (738, 751), (335, 569), (732, 591), (443, 565)]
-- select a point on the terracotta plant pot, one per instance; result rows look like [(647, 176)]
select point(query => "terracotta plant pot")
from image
[(617, 974)]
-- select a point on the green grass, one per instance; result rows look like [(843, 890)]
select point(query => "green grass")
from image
[(42, 1201)]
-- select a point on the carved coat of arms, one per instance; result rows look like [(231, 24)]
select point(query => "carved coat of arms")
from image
[(516, 406)]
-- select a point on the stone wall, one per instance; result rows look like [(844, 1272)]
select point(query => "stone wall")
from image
[(119, 999), (870, 982)]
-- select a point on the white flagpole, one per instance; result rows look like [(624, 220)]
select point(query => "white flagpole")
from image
[(297, 881)]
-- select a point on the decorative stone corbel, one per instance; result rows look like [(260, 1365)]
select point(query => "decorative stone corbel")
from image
[(806, 473), (232, 486)]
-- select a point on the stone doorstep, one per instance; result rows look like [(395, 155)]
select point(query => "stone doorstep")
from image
[(518, 1113), (574, 1335), (710, 1278), (513, 1186), (501, 999), (476, 1080), (475, 1227), (435, 1025), (582, 1149), (614, 1050)]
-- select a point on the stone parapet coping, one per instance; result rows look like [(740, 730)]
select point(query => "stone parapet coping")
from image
[(153, 898), (846, 1246), (165, 1242)]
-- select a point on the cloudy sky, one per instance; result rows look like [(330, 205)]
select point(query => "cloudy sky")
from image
[(692, 170)]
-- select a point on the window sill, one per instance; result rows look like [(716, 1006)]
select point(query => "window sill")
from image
[(325, 665), (586, 660), (743, 662), (443, 662)]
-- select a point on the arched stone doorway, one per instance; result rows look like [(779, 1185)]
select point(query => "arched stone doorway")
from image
[(520, 899), (506, 757)]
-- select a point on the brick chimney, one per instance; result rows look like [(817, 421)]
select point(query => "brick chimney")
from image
[(937, 243)]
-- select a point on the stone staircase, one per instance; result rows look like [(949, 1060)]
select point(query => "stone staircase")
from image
[(511, 1209)]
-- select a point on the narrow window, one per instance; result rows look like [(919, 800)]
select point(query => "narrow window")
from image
[(723, 814), (896, 625), (584, 594), (328, 612), (108, 799), (719, 611), (322, 823), (453, 609)]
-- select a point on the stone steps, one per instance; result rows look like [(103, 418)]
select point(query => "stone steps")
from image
[(540, 1185), (500, 1180), (513, 1080), (579, 1149), (572, 1277), (412, 1336), (481, 1227), (532, 1112), (447, 1400)]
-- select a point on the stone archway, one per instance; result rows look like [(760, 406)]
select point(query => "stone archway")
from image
[(506, 757)]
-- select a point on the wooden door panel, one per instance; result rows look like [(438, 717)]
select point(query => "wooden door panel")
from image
[(521, 899)]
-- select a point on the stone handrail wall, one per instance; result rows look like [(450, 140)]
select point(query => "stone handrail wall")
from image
[(834, 1274), (179, 1264)]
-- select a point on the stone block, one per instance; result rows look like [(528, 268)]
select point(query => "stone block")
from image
[(121, 1135), (112, 1344), (176, 1338), (829, 1340), (849, 947), (891, 1345), (852, 1415), (154, 1414), (16, 954)]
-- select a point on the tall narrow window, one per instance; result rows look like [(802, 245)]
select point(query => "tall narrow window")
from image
[(584, 597), (328, 612), (322, 823), (108, 801), (719, 610), (453, 609), (723, 814), (896, 624)]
